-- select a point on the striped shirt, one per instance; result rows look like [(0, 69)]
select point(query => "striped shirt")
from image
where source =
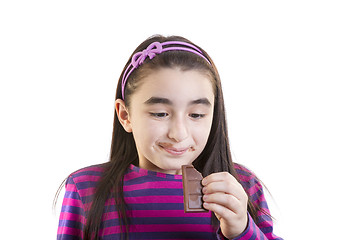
[(156, 207)]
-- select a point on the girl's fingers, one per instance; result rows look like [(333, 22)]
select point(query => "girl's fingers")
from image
[(227, 185), (219, 210), (226, 200), (214, 187), (218, 177)]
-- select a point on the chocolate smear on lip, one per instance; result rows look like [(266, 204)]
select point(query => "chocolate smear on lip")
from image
[(191, 149), (169, 145), (191, 180), (165, 145)]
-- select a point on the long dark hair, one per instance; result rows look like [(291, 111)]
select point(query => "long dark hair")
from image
[(215, 157)]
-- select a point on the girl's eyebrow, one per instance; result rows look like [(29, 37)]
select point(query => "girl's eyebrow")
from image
[(166, 101), (158, 100), (203, 101)]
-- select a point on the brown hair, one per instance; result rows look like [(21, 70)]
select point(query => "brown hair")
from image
[(215, 157)]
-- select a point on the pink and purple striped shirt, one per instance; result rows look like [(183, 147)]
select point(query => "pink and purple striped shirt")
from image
[(156, 207)]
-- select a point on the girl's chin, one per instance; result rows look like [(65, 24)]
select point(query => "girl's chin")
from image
[(169, 168)]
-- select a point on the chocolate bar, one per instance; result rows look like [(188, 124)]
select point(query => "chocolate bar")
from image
[(191, 179)]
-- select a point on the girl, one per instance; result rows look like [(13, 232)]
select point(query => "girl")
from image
[(169, 112)]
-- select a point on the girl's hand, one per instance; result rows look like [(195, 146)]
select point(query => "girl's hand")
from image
[(225, 196)]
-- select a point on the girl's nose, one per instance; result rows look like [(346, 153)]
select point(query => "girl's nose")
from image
[(178, 130)]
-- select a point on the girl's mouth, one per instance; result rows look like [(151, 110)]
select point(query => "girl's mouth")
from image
[(168, 147)]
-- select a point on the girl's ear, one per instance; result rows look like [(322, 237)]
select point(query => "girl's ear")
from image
[(123, 115)]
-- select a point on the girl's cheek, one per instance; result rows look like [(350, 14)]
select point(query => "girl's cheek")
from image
[(156, 127), (201, 134)]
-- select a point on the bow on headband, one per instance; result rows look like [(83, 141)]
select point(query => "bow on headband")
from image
[(150, 51)]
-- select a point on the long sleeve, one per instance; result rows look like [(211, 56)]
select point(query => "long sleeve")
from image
[(72, 216), (263, 231)]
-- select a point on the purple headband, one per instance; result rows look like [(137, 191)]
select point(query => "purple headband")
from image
[(151, 51)]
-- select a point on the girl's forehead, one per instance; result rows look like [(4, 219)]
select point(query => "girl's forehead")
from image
[(175, 85)]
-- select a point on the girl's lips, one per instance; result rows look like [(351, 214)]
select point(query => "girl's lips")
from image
[(175, 151)]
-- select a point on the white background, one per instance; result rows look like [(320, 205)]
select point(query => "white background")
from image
[(290, 72)]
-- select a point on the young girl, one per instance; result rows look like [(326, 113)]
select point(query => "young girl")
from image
[(169, 112)]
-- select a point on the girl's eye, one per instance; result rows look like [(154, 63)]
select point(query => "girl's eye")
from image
[(197, 115), (159, 115)]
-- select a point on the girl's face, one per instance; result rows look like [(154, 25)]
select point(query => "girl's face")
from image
[(170, 116)]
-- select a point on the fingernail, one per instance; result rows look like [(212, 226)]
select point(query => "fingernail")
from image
[(203, 182), (204, 190)]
